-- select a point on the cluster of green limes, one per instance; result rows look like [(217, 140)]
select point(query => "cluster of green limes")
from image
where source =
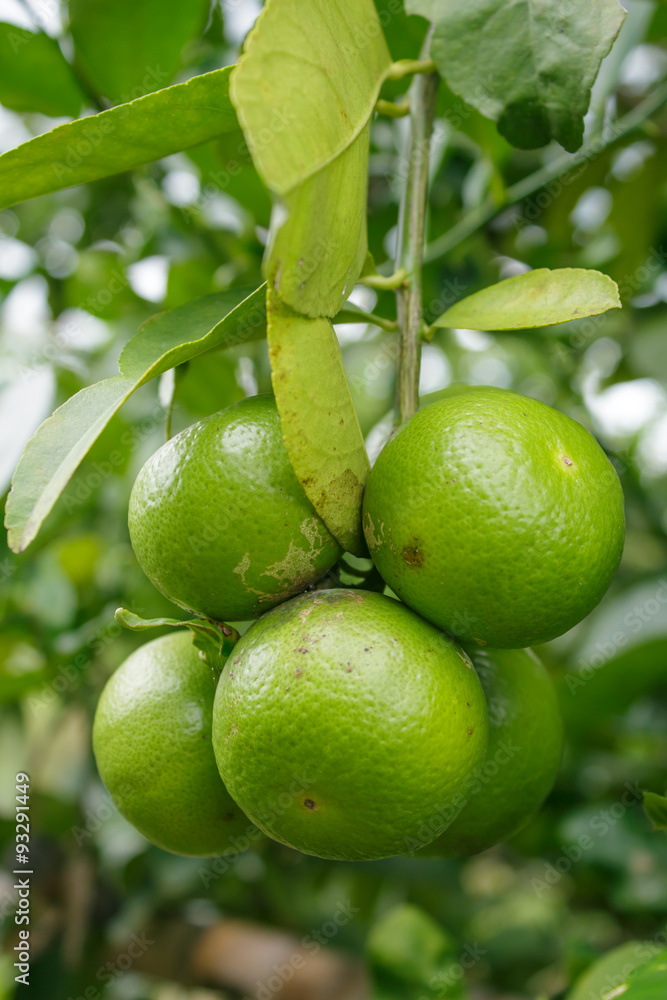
[(346, 723)]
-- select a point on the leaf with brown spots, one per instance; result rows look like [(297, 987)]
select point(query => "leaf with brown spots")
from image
[(320, 427)]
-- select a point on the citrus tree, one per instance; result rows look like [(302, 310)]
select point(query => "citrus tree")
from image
[(367, 551)]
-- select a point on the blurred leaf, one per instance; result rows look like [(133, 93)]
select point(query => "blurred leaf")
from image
[(536, 298), (119, 139), (34, 74), (53, 454), (214, 639), (610, 970), (129, 49), (409, 943), (305, 88), (529, 66), (208, 384), (656, 809), (621, 656), (319, 425)]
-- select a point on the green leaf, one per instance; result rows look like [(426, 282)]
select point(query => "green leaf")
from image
[(536, 298), (305, 89), (645, 983), (656, 809), (610, 970), (34, 74), (215, 640), (320, 428), (407, 942), (119, 139), (128, 49), (54, 453), (529, 64)]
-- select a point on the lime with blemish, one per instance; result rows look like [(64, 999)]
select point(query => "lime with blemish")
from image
[(523, 756), (152, 743), (219, 522), (495, 517), (344, 725)]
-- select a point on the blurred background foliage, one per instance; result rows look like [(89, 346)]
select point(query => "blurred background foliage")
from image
[(79, 271)]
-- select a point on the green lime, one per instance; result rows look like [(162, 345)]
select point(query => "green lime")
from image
[(152, 743), (219, 521), (495, 517), (523, 756), (345, 725)]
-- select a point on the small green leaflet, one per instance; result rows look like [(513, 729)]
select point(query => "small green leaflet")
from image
[(305, 89), (34, 74), (54, 453), (536, 298), (655, 807), (215, 640), (119, 139), (319, 424), (527, 64), (128, 49)]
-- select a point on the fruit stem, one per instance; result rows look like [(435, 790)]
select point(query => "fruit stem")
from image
[(410, 242)]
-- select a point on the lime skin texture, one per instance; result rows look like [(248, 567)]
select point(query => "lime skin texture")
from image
[(343, 723), (495, 517), (523, 757), (219, 522), (152, 743)]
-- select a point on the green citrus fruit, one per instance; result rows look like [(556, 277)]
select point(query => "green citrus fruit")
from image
[(343, 723), (495, 517), (152, 743), (523, 756), (219, 521)]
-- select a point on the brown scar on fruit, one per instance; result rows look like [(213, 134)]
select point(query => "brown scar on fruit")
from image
[(567, 461), (309, 804), (413, 556)]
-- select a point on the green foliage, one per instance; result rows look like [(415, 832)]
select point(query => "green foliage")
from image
[(127, 49), (656, 809), (611, 971), (537, 298), (304, 90), (528, 65), (119, 139), (34, 74), (214, 639), (55, 452), (529, 918)]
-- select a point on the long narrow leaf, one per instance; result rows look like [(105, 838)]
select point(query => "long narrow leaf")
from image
[(122, 138), (54, 453)]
